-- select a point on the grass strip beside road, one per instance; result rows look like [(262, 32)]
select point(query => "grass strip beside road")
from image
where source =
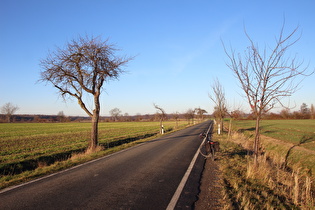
[(284, 177), (266, 186)]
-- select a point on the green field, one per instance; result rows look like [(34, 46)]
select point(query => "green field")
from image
[(23, 146), (292, 131), (285, 174), (289, 142)]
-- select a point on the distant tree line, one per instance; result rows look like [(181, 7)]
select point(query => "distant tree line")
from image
[(27, 118), (303, 113), (191, 115)]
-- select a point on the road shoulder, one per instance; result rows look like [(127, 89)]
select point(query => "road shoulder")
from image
[(211, 189)]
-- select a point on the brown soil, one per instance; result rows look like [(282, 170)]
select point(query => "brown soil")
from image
[(211, 189)]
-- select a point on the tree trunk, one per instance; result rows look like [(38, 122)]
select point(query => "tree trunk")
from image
[(230, 129), (94, 132), (257, 140), (8, 118), (95, 118)]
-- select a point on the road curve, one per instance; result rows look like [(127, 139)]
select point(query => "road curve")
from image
[(142, 177)]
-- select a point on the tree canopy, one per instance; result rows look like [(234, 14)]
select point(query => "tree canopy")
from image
[(80, 69)]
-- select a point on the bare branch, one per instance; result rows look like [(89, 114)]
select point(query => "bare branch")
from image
[(81, 68), (162, 116), (9, 109), (267, 76)]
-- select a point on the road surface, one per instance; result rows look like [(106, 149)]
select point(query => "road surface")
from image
[(142, 177)]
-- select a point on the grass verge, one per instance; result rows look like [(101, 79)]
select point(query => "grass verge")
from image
[(266, 186)]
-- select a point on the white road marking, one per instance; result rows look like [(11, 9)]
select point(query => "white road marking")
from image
[(181, 185)]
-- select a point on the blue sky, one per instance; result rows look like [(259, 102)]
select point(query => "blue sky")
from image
[(177, 44)]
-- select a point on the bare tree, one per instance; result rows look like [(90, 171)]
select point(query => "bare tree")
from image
[(162, 115), (305, 111), (190, 115), (176, 117), (61, 116), (80, 70), (9, 109), (285, 113), (218, 97), (237, 114), (200, 113), (115, 113), (266, 76)]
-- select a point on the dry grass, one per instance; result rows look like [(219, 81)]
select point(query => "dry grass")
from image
[(268, 185), (88, 152)]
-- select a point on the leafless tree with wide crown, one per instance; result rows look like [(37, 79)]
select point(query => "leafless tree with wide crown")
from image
[(267, 75), (9, 109), (80, 70)]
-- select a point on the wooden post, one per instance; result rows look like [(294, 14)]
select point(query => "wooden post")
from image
[(230, 129)]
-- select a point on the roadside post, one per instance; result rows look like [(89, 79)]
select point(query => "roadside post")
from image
[(219, 128)]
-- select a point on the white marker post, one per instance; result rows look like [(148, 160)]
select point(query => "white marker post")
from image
[(219, 129)]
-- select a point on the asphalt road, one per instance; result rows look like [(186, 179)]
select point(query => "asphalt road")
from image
[(142, 177)]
